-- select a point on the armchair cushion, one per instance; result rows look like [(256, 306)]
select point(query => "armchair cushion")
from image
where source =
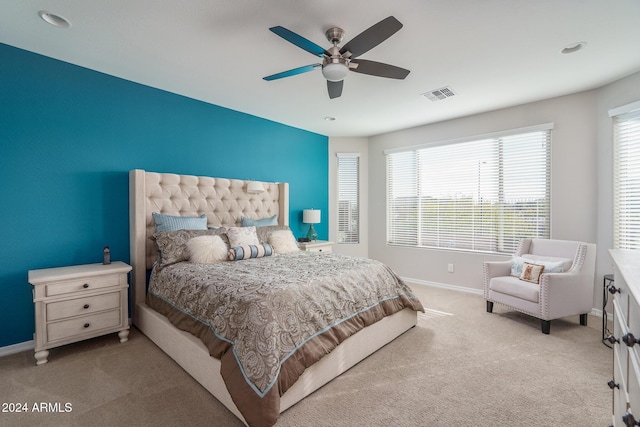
[(513, 286)]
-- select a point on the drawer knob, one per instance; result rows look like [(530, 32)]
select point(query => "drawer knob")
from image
[(86, 285), (614, 290), (86, 325), (630, 340), (629, 420), (612, 339), (613, 385), (85, 306)]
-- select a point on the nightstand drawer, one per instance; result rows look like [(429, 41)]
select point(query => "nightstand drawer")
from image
[(81, 325), (320, 249), (81, 284), (81, 306), (317, 246)]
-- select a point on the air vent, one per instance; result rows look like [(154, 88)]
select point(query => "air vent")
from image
[(439, 94)]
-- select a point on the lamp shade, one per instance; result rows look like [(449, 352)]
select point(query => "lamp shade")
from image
[(254, 187), (311, 216)]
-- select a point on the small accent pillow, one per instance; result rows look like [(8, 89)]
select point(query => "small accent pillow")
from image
[(172, 223), (242, 236), (238, 253), (283, 242), (207, 249), (247, 222), (531, 272)]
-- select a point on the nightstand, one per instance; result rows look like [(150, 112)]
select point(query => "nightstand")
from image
[(316, 246), (79, 302)]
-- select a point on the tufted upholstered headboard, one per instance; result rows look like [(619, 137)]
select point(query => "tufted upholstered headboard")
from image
[(223, 200)]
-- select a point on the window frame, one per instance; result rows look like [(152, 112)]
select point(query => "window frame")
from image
[(626, 175), (466, 230), (351, 236)]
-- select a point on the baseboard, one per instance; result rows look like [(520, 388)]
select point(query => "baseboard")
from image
[(17, 348), (443, 285), (594, 312)]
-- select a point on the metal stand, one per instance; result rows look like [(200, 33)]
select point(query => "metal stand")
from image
[(608, 280)]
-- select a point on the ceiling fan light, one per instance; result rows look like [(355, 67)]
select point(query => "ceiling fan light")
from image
[(335, 71)]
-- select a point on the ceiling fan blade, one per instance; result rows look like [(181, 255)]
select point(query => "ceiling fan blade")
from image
[(379, 69), (293, 72), (335, 88), (372, 37), (299, 41)]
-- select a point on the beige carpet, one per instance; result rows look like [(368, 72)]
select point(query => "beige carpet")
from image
[(460, 367)]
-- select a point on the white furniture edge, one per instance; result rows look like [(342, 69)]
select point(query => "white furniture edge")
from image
[(189, 352)]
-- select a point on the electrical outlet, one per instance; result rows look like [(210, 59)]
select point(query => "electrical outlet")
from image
[(450, 268)]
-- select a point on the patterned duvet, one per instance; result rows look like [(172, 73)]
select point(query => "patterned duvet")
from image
[(267, 319)]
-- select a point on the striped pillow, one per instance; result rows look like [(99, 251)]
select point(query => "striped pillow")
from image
[(238, 253)]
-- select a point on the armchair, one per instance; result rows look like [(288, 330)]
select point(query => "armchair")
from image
[(565, 286)]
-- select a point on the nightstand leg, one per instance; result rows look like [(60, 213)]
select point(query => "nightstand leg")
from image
[(41, 357), (124, 335)]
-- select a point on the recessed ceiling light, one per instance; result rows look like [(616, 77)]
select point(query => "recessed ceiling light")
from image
[(574, 47), (53, 19), (329, 118)]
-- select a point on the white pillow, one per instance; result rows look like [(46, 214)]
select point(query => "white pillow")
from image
[(551, 264), (207, 249), (283, 242)]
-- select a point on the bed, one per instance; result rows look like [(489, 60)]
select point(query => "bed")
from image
[(224, 202)]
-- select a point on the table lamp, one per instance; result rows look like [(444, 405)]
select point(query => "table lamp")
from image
[(311, 216)]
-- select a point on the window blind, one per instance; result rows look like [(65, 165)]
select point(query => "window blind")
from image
[(626, 180), (480, 194), (348, 198)]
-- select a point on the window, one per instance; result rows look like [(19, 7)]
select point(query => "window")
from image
[(348, 198), (626, 176), (478, 194)]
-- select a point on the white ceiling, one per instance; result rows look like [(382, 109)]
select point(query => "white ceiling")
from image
[(492, 53)]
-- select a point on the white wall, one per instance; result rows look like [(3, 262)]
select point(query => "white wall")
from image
[(349, 145), (574, 198)]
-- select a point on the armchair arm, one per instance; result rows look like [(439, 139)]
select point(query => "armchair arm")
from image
[(494, 269), (565, 294)]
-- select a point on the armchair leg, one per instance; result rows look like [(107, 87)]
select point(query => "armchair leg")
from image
[(489, 306), (583, 319), (546, 326)]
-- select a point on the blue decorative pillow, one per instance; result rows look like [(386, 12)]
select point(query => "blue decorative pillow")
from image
[(175, 223), (246, 222), (238, 253)]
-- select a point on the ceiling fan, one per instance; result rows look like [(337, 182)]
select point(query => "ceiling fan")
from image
[(337, 62)]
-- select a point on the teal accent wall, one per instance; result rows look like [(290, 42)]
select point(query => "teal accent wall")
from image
[(69, 137)]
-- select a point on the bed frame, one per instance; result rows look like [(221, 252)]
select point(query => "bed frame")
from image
[(224, 201)]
